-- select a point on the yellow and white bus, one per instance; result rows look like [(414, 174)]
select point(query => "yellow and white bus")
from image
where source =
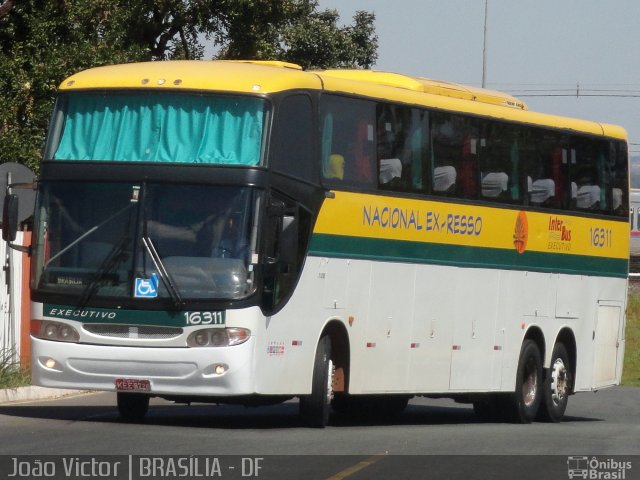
[(250, 232), (634, 217)]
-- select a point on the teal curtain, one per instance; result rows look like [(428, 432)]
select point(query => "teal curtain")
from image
[(163, 127), (327, 138)]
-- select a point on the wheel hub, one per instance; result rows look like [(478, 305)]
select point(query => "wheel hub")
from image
[(331, 368), (530, 385), (559, 381)]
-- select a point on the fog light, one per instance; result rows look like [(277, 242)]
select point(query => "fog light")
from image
[(220, 369), (50, 363)]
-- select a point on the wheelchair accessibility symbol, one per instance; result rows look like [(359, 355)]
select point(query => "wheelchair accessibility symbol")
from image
[(146, 287)]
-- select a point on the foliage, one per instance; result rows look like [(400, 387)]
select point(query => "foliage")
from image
[(44, 41), (297, 32), (631, 371), (11, 375)]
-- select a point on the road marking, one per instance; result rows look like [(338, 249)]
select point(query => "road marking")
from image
[(347, 472)]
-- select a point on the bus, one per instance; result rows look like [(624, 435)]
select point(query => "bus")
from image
[(634, 249), (250, 232)]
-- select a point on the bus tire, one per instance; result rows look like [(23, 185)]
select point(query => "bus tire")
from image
[(315, 408), (527, 396), (133, 406), (557, 386)]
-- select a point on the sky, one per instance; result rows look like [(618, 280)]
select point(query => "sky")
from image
[(541, 47)]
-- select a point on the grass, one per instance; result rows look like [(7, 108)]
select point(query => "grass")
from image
[(11, 375), (631, 371)]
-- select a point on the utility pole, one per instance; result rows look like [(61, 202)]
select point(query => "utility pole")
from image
[(484, 47)]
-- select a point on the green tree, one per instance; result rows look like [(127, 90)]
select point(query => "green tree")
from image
[(44, 41), (295, 31)]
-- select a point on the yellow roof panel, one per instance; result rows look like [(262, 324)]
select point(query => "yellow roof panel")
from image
[(195, 75), (427, 85)]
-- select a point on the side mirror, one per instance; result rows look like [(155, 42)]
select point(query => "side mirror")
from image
[(10, 218), (10, 223)]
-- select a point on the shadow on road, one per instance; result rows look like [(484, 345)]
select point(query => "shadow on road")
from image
[(235, 417)]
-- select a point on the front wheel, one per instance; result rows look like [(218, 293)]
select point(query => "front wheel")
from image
[(314, 408), (133, 406), (557, 386), (526, 399)]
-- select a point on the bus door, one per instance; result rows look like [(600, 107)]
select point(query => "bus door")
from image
[(608, 338)]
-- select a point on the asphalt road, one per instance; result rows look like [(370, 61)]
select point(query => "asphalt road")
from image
[(431, 436)]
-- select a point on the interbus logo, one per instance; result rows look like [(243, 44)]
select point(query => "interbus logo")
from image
[(521, 232), (560, 234)]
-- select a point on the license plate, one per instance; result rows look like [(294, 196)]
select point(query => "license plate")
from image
[(132, 385)]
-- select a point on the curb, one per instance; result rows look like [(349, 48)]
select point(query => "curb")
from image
[(33, 393)]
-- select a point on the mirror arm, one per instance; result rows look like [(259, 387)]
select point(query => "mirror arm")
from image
[(21, 248)]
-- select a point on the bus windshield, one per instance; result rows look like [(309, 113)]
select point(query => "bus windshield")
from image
[(158, 127), (145, 241)]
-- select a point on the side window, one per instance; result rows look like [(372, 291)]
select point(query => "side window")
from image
[(618, 157), (589, 174), (402, 147), (500, 162), (544, 179), (562, 157), (454, 154), (347, 141), (292, 142)]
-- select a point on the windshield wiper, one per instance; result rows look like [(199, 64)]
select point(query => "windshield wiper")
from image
[(87, 233), (165, 276), (115, 257)]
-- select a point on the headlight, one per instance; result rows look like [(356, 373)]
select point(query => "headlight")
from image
[(60, 332), (218, 337)]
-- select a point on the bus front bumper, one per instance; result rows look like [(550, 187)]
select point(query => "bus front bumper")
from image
[(205, 371)]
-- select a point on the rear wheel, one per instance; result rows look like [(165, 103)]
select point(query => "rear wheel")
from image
[(526, 399), (314, 408), (133, 406), (557, 386)]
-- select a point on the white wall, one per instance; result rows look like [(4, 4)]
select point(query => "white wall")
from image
[(10, 299)]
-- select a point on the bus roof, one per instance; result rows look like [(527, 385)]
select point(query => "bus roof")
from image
[(233, 76), (264, 77), (427, 85)]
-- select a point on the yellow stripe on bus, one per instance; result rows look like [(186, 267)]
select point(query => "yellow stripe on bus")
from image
[(392, 218)]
